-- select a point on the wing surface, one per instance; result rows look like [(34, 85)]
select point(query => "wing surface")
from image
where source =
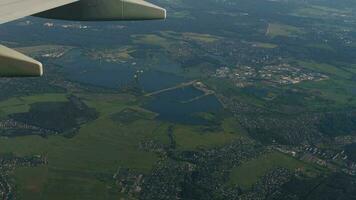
[(14, 9)]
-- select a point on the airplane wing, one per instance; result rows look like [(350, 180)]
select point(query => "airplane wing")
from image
[(13, 63), (15, 9)]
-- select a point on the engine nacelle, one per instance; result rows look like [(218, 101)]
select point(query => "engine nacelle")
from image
[(106, 10), (16, 64)]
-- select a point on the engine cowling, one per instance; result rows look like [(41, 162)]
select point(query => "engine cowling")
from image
[(16, 64), (106, 10)]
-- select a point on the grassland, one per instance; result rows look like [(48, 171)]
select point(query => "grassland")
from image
[(190, 138), (337, 93), (321, 46), (193, 137), (151, 39), (198, 37), (182, 15), (112, 55), (39, 50), (82, 166), (315, 11), (264, 45), (97, 150), (189, 36), (22, 104), (326, 69), (251, 171), (165, 39), (333, 93), (338, 89), (274, 30)]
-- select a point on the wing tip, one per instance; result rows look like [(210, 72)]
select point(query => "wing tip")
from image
[(39, 69)]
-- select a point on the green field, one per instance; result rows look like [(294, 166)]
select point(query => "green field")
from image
[(151, 39), (321, 46), (39, 50), (22, 104), (182, 15), (194, 137), (112, 55), (99, 148), (274, 30), (326, 69), (250, 172), (197, 37), (264, 45), (315, 11)]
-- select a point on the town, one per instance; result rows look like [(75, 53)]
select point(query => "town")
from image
[(281, 74)]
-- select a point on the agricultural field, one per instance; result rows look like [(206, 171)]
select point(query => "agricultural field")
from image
[(248, 173), (275, 30)]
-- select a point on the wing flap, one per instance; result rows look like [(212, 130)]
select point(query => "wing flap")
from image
[(16, 64), (15, 9)]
